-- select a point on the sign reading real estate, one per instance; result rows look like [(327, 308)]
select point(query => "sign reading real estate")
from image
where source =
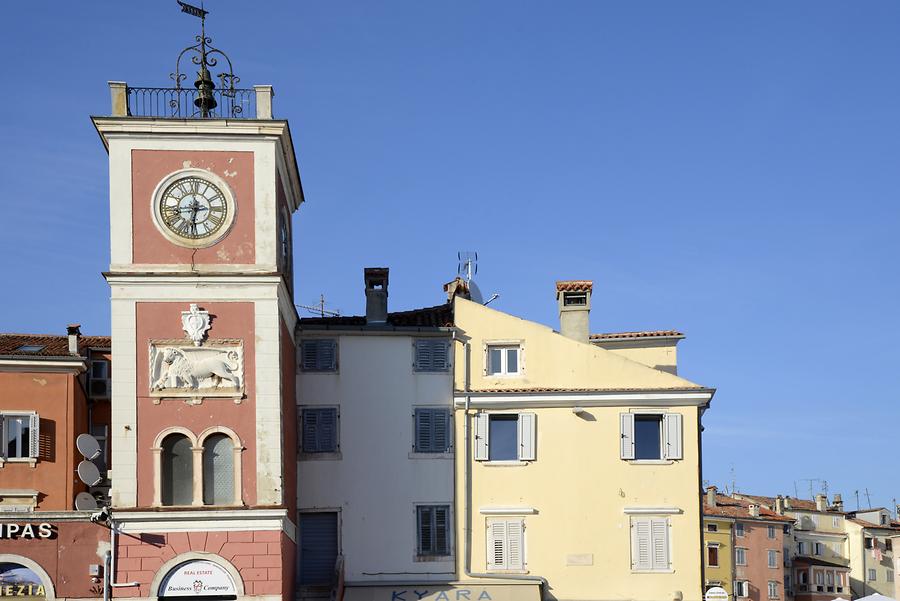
[(716, 593), (198, 578)]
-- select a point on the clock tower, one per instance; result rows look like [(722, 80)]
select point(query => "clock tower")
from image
[(203, 184)]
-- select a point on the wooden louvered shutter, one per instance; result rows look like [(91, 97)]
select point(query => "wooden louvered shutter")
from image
[(441, 530), (659, 536), (440, 355), (328, 430), (496, 551), (673, 436), (34, 435), (527, 436), (626, 448), (426, 530), (310, 421), (423, 430), (423, 355), (641, 557), (441, 425), (309, 354), (481, 437), (515, 537), (326, 352)]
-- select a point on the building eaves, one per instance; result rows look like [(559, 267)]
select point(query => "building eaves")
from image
[(637, 334), (440, 316)]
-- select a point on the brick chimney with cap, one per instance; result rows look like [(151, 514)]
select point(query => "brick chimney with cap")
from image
[(838, 503), (711, 496), (821, 503), (73, 330), (574, 299), (376, 294), (779, 505)]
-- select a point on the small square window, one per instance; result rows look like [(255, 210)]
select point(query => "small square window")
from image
[(503, 360), (868, 542), (318, 354), (319, 430), (20, 435), (739, 529), (712, 528), (99, 369), (433, 530)]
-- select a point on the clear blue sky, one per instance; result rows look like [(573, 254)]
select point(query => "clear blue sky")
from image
[(727, 169)]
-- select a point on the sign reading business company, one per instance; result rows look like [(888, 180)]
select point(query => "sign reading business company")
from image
[(716, 593), (198, 578)]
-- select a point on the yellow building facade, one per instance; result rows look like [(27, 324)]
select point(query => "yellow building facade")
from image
[(719, 560), (577, 467)]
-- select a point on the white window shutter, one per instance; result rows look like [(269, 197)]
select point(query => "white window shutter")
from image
[(527, 436), (672, 423), (640, 544), (515, 537), (481, 437), (659, 535), (34, 435), (496, 545), (627, 436)]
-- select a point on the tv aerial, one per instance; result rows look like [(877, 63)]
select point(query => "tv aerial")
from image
[(319, 308), (466, 268)]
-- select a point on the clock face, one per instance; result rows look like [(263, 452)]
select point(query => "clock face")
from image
[(193, 209)]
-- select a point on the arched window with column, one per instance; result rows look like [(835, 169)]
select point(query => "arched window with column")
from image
[(218, 470), (176, 470)]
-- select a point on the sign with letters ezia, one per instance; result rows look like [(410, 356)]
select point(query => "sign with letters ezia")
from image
[(19, 581)]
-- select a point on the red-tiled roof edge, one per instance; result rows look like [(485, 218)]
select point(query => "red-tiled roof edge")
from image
[(740, 508), (52, 345), (637, 334), (438, 316), (574, 285)]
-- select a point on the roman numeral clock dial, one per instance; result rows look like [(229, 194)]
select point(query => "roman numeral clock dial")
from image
[(193, 211)]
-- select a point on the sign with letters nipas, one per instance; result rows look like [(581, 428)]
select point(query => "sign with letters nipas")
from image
[(25, 531)]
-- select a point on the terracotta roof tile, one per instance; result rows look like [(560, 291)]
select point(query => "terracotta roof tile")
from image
[(50, 345), (738, 508), (796, 504), (539, 390), (867, 524), (643, 334), (574, 286), (440, 316)]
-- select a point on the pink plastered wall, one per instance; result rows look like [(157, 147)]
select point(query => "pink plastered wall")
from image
[(264, 559), (162, 321), (757, 571), (150, 167)]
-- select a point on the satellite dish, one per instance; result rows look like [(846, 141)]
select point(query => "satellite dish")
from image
[(88, 446), (89, 473), (475, 294), (85, 501)]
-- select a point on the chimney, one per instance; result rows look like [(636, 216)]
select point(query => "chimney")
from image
[(787, 503), (74, 332), (754, 510), (574, 299), (711, 496), (838, 503), (821, 503), (376, 294), (779, 505)]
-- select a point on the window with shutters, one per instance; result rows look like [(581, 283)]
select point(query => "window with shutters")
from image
[(741, 588), (505, 437), (431, 354), (21, 436), (99, 379), (433, 530), (651, 436), (503, 360), (318, 354), (712, 555), (650, 544), (432, 430), (319, 430), (506, 544)]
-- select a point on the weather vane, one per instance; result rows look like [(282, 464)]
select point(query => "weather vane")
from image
[(204, 56)]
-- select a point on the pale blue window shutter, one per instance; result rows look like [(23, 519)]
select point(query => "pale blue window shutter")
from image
[(431, 355), (627, 435), (481, 437), (432, 525), (432, 430), (441, 428), (673, 432), (527, 436), (319, 354), (319, 430)]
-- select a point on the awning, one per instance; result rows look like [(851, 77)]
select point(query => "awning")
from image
[(525, 591)]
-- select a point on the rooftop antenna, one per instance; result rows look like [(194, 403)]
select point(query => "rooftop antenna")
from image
[(204, 56), (319, 308), (868, 498), (856, 492), (468, 264)]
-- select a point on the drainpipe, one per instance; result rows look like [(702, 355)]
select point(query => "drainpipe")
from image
[(702, 500), (107, 559), (467, 565)]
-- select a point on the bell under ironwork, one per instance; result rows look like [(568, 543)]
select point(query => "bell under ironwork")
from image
[(205, 100)]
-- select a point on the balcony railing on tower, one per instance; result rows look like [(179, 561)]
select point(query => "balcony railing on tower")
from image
[(182, 103)]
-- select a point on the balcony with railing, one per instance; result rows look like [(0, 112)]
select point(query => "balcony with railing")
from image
[(191, 103)]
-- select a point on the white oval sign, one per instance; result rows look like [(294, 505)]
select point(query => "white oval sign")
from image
[(198, 578), (716, 593)]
